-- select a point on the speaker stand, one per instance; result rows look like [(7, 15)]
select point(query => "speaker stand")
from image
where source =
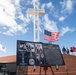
[(52, 70), (45, 69)]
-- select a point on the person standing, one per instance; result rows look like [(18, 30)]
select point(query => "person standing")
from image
[(67, 50), (64, 50)]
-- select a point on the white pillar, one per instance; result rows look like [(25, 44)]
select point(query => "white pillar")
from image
[(36, 12)]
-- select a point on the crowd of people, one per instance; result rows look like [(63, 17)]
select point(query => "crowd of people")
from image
[(66, 50)]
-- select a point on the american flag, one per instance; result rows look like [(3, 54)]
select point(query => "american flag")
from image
[(51, 36)]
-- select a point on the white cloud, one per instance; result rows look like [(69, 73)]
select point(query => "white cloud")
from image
[(10, 11), (65, 30), (67, 6), (16, 2), (2, 48), (50, 5), (65, 9), (35, 0), (62, 18), (49, 24), (43, 6)]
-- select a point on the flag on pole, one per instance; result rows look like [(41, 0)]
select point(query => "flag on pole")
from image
[(51, 36), (2, 48), (74, 49)]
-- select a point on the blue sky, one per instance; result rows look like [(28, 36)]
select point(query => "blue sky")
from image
[(16, 24)]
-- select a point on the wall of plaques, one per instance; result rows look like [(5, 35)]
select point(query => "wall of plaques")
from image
[(35, 53)]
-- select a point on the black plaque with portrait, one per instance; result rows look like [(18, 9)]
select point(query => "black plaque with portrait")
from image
[(25, 53), (35, 53)]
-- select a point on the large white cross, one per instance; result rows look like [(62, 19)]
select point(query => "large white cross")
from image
[(36, 12)]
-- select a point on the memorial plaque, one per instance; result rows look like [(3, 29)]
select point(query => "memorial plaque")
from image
[(39, 52), (29, 53), (53, 55), (25, 53), (35, 53)]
